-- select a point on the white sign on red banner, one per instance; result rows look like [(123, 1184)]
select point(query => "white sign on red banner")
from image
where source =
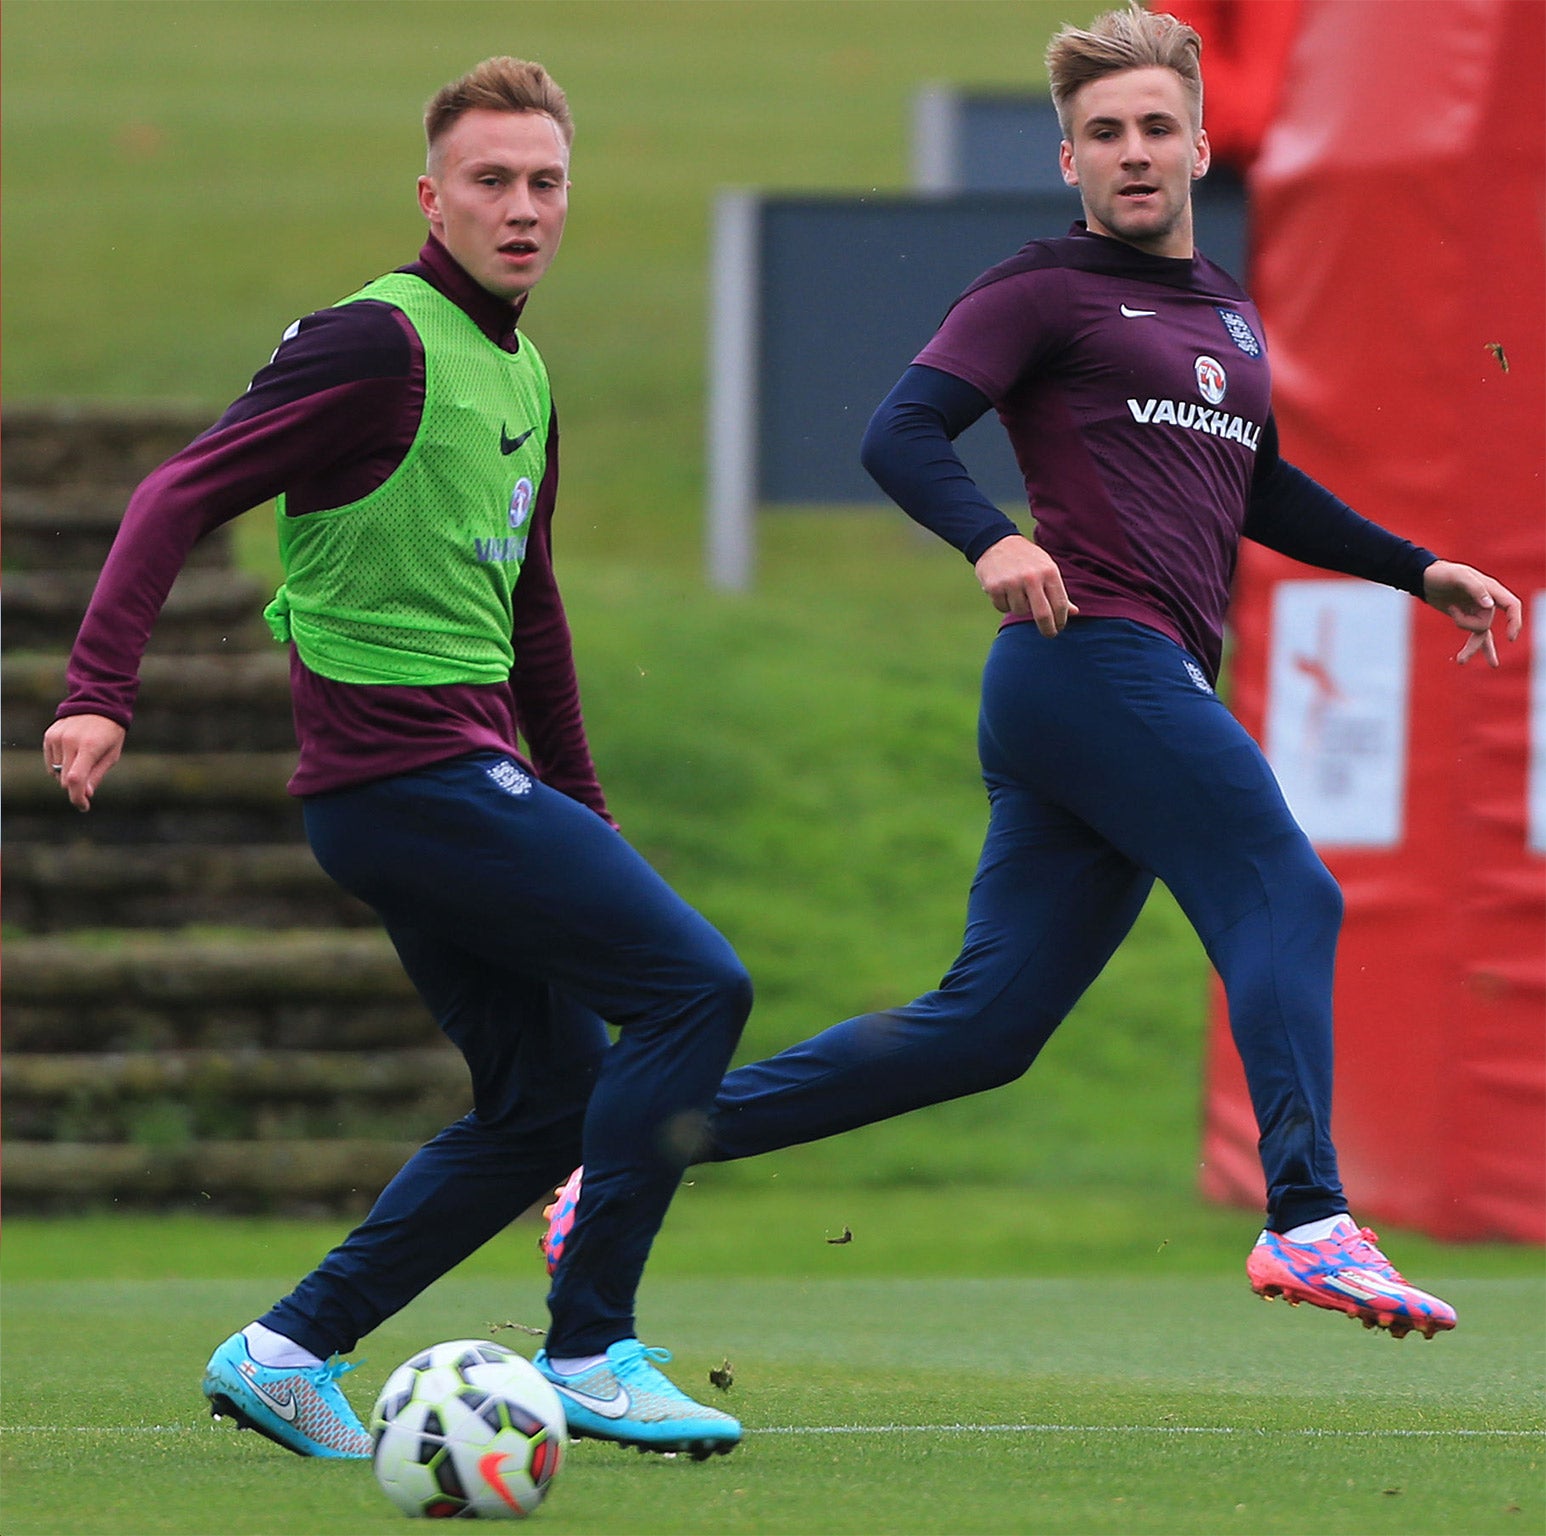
[(1336, 727)]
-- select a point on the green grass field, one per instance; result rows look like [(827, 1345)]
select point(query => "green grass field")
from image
[(973, 1361), (1037, 1327)]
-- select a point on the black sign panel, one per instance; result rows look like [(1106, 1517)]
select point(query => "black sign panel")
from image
[(851, 288)]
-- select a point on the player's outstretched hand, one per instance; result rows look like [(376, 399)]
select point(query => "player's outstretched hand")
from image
[(78, 751), (1473, 600), (1021, 577)]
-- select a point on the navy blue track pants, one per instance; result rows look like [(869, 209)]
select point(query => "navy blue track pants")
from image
[(1109, 761), (524, 921)]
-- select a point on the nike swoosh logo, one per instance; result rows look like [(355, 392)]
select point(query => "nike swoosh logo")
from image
[(508, 444), (607, 1407), (493, 1475), (1137, 314), (286, 1406)]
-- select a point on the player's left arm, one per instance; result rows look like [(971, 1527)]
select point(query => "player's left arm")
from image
[(1476, 602), (1298, 517)]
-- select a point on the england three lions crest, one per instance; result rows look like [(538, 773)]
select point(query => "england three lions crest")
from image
[(1240, 332)]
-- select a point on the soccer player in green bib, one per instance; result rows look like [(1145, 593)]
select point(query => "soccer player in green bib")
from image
[(408, 438)]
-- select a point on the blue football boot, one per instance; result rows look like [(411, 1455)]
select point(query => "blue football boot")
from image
[(299, 1407), (625, 1399)]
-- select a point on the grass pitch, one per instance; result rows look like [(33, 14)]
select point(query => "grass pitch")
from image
[(1102, 1383)]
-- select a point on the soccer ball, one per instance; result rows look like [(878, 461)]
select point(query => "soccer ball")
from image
[(467, 1429)]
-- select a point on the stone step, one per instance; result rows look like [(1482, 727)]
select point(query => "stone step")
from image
[(122, 1096), (327, 990), (206, 610), (286, 1177), (92, 443), (53, 887), (150, 797), (59, 1077), (227, 702), (72, 527)]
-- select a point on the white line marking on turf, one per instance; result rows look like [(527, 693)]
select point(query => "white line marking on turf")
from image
[(915, 1429), (1126, 1429), (95, 1429)]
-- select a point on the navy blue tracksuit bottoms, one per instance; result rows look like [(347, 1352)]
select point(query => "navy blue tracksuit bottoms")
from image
[(524, 921), (1109, 761)]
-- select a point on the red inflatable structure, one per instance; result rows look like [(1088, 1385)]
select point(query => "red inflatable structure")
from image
[(1397, 212)]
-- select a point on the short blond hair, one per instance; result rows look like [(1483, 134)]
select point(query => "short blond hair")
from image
[(499, 84), (1124, 39)]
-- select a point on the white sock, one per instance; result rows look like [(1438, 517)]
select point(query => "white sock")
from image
[(1316, 1231), (572, 1365), (274, 1350)]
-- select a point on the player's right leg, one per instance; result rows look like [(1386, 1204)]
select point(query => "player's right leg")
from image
[(1050, 903), (532, 1055)]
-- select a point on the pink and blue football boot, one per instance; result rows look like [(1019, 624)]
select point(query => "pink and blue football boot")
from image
[(560, 1219), (1346, 1272)]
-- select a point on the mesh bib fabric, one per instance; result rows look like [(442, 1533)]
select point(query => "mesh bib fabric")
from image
[(411, 585)]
